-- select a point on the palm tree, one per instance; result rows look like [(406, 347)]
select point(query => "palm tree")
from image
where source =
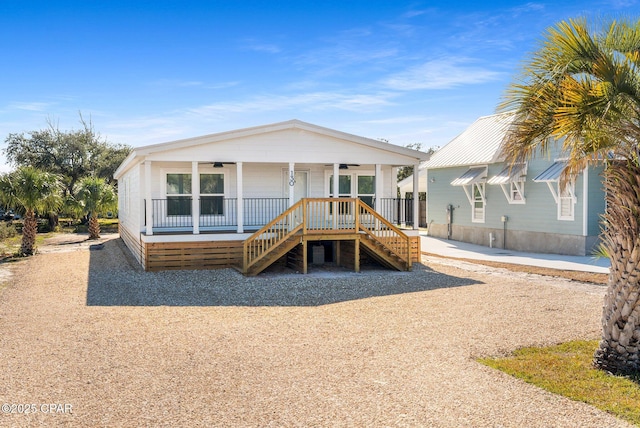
[(581, 89), (97, 196), (30, 191)]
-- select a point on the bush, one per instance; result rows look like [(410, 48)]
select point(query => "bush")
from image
[(7, 230)]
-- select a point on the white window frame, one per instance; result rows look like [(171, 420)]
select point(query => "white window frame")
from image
[(353, 191), (566, 195), (516, 192), (169, 195), (481, 187), (223, 194)]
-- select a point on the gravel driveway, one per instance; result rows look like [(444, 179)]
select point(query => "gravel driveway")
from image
[(86, 330)]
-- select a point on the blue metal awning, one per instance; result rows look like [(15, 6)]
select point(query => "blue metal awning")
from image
[(472, 175), (552, 173), (509, 174)]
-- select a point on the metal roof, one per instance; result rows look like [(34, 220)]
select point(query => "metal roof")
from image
[(509, 174), (552, 173), (479, 144), (472, 175)]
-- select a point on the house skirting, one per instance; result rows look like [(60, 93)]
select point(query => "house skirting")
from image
[(518, 240), (190, 252)]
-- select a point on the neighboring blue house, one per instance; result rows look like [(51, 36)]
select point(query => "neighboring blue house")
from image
[(473, 196)]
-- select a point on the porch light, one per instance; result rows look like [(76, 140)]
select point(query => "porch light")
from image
[(217, 164), (344, 166)]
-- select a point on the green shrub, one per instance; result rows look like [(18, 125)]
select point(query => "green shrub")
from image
[(7, 230)]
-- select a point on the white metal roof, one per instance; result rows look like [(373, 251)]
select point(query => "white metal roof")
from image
[(479, 144)]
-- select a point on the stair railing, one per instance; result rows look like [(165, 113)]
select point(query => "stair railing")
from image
[(262, 242), (324, 215), (381, 230)]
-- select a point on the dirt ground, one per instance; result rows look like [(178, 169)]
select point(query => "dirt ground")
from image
[(590, 277), (88, 332)]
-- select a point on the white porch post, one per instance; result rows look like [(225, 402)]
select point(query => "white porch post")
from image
[(378, 190), (336, 180), (416, 193), (239, 198), (195, 198), (292, 189), (585, 202), (147, 198)]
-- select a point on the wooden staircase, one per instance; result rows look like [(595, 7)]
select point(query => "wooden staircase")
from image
[(314, 219), (383, 255)]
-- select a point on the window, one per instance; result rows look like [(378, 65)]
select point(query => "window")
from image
[(344, 191), (178, 194), (511, 180), (477, 214), (367, 189), (566, 200), (212, 194), (517, 192)]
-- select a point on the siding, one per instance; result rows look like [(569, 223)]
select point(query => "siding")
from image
[(538, 214)]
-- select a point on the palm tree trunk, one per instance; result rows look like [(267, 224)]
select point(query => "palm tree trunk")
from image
[(94, 227), (29, 230), (618, 352)]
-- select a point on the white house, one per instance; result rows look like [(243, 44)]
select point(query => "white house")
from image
[(474, 196), (252, 197)]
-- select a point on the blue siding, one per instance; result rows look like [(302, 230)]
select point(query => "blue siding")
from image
[(538, 214)]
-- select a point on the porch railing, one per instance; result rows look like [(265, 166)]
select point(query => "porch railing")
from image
[(216, 212), (220, 213)]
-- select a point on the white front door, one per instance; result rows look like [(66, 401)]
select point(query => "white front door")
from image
[(300, 184)]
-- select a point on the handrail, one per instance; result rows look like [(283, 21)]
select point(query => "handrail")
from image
[(385, 232), (318, 216), (269, 237)]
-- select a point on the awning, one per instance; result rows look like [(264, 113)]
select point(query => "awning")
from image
[(471, 176), (509, 174), (552, 173)]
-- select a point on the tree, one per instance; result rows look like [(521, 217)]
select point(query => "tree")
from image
[(406, 171), (582, 89), (71, 154), (30, 191), (97, 197)]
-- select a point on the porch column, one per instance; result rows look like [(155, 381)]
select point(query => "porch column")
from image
[(416, 193), (147, 198), (292, 189), (378, 190), (195, 198), (336, 180), (239, 199)]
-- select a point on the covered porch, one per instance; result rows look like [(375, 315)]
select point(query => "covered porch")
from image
[(193, 198)]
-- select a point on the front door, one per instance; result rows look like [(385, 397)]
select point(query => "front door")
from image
[(300, 184)]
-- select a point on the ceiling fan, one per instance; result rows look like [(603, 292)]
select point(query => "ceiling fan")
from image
[(344, 165)]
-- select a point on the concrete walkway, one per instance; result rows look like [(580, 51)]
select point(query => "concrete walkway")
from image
[(464, 250)]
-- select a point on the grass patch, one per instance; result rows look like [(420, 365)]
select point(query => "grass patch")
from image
[(567, 370), (107, 225)]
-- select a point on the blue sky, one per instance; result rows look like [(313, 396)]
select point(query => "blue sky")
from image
[(153, 71)]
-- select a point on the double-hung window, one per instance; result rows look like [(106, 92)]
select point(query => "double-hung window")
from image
[(566, 200), (179, 194), (211, 194), (477, 214)]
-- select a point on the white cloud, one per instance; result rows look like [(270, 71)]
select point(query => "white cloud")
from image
[(305, 101), (397, 120), (31, 106), (441, 74), (258, 46)]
